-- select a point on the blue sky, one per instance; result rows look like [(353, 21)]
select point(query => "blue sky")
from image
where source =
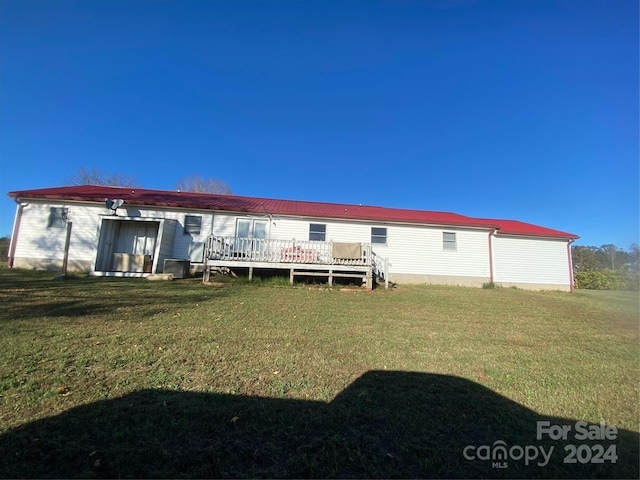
[(524, 110)]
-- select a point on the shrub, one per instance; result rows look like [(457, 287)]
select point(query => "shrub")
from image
[(606, 279), (4, 249)]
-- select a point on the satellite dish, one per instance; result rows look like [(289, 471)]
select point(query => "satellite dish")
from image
[(113, 204)]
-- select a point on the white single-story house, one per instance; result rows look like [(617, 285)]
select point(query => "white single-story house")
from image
[(123, 231)]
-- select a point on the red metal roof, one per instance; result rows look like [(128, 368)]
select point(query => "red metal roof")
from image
[(234, 203)]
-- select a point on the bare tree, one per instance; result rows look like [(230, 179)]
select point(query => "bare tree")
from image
[(197, 184), (611, 251), (99, 177)]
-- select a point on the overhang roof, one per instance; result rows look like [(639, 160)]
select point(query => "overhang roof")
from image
[(234, 203)]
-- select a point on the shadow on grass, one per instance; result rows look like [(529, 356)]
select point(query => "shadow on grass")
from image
[(32, 295), (386, 424)]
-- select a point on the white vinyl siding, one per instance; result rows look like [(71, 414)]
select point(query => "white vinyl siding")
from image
[(418, 250), (410, 249), (36, 241), (183, 244), (336, 231), (530, 260)]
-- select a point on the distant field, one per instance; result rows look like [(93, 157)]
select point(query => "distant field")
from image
[(128, 378)]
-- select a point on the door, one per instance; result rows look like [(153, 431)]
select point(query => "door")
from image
[(137, 238), (251, 237)]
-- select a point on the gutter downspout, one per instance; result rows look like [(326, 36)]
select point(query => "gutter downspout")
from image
[(14, 233), (571, 280), (491, 234)]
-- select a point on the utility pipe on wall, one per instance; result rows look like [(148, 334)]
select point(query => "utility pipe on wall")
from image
[(571, 287), (491, 234), (14, 234)]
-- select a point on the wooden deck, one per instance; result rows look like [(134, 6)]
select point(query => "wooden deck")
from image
[(301, 258)]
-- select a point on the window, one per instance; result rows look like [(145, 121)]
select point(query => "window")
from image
[(246, 228), (318, 232), (379, 235), (192, 224), (448, 241), (58, 217)]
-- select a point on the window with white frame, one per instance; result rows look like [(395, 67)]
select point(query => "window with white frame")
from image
[(192, 224), (247, 228), (449, 241), (379, 235), (318, 232), (58, 217)]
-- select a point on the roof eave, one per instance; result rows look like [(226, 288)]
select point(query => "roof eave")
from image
[(181, 202)]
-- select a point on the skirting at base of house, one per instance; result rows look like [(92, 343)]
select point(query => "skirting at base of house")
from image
[(536, 286), (412, 278), (409, 278), (79, 266), (73, 266)]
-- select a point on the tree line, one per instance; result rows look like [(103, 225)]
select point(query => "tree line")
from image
[(606, 267), (189, 183)]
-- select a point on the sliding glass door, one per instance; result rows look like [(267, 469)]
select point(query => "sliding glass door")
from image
[(250, 237)]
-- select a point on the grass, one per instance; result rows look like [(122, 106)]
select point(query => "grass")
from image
[(126, 378)]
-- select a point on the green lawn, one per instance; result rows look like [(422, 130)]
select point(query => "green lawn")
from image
[(128, 378)]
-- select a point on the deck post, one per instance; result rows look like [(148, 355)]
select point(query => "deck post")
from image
[(331, 278), (369, 279), (206, 272), (386, 273), (291, 277), (250, 273), (67, 241)]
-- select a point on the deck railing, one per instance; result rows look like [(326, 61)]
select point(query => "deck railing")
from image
[(287, 251), (380, 267)]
